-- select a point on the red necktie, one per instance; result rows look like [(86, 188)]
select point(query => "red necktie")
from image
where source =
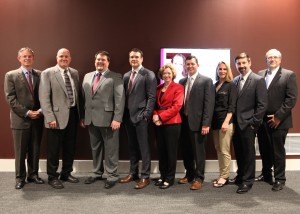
[(29, 80), (131, 82), (96, 81)]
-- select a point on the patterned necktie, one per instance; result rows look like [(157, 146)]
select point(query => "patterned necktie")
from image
[(69, 87), (96, 81), (187, 95), (29, 81), (131, 82), (268, 78), (241, 84)]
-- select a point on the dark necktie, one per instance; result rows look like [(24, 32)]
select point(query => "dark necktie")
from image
[(187, 95), (241, 84), (69, 87), (96, 81), (131, 82), (29, 81)]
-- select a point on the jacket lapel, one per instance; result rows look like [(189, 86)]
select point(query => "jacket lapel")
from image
[(276, 78), (246, 85)]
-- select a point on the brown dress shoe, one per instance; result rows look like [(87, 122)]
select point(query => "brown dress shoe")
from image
[(196, 185), (184, 180), (142, 183), (128, 178)]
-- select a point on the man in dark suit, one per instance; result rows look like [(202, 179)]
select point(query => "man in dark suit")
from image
[(250, 108), (59, 97), (103, 100), (282, 96), (196, 115), (26, 121), (140, 87)]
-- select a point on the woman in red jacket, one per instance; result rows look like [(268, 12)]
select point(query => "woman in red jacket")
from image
[(169, 100)]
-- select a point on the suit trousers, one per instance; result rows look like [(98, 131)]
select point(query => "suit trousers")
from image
[(138, 146), (65, 138), (27, 142), (222, 143), (105, 141), (271, 147), (167, 142), (243, 142), (187, 148)]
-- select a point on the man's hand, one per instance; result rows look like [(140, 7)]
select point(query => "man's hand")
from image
[(52, 124), (273, 122), (115, 125), (205, 130), (81, 123)]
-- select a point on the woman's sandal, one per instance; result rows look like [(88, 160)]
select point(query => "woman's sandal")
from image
[(218, 185)]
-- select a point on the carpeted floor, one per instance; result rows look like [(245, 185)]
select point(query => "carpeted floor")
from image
[(123, 198)]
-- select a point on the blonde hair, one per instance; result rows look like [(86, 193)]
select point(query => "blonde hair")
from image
[(229, 76), (162, 69)]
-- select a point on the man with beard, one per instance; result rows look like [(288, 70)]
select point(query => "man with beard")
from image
[(250, 108)]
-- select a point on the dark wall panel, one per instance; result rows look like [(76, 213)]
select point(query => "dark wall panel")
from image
[(117, 26)]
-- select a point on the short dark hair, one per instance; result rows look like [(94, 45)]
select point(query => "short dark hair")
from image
[(136, 50), (191, 57), (242, 56), (104, 53)]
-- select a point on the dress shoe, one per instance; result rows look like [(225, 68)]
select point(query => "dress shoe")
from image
[(142, 183), (265, 179), (277, 186), (244, 188), (196, 185), (91, 179), (159, 182), (235, 181), (55, 183), (129, 178), (166, 184), (36, 180), (20, 184), (109, 184), (69, 178), (184, 180)]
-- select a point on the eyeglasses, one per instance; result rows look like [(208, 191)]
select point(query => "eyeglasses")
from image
[(272, 57)]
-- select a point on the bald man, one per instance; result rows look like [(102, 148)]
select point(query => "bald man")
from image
[(59, 98)]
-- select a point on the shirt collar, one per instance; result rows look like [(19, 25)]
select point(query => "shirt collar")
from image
[(245, 77), (137, 70), (24, 70)]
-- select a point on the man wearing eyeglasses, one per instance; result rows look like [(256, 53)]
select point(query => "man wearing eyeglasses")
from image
[(282, 95)]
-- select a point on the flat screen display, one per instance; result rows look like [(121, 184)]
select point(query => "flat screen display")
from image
[(208, 60)]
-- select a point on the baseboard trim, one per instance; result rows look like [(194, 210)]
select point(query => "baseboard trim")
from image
[(82, 166)]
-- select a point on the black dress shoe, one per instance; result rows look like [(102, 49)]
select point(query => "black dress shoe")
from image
[(20, 184), (159, 182), (166, 184), (277, 186), (91, 179), (244, 188), (55, 183), (261, 177), (36, 180), (109, 184), (69, 178)]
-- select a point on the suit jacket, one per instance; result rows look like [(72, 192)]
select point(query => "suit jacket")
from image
[(251, 102), (19, 97), (201, 102), (169, 105), (141, 100), (54, 97), (282, 96), (108, 101)]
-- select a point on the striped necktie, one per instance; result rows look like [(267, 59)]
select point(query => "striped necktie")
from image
[(69, 87)]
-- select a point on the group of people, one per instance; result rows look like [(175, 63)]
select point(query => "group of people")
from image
[(233, 109)]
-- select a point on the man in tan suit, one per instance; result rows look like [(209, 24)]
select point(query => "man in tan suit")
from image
[(21, 93), (59, 97)]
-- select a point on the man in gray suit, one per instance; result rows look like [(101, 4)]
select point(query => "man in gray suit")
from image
[(59, 97), (103, 100), (26, 121), (282, 97), (140, 87), (196, 114), (250, 108)]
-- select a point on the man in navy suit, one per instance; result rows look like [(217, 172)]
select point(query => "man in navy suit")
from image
[(140, 87), (250, 108), (282, 96)]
